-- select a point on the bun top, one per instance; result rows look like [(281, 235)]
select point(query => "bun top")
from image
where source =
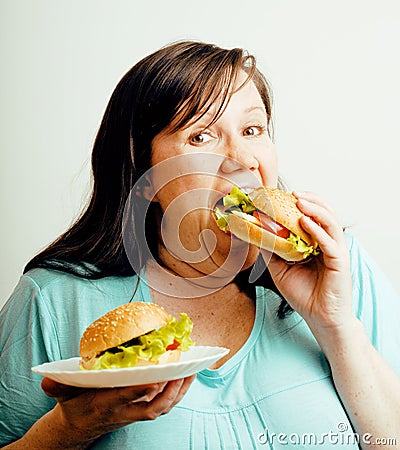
[(120, 325), (281, 206)]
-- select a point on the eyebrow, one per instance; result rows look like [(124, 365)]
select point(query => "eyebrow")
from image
[(253, 108), (247, 110), (209, 114)]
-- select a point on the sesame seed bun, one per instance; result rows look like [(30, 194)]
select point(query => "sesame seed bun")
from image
[(280, 206), (120, 325)]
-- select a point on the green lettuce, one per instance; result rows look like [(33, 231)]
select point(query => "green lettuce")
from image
[(222, 219), (302, 246), (239, 199), (149, 346), (236, 200)]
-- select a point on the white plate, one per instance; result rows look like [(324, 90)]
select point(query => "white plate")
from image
[(194, 360)]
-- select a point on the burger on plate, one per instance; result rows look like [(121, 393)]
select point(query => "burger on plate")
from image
[(268, 218), (134, 334)]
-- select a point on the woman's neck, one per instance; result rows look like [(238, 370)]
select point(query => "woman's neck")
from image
[(180, 280)]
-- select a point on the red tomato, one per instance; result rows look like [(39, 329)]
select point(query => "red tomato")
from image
[(270, 225), (173, 346)]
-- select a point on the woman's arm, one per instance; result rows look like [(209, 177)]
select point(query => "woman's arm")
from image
[(82, 415), (321, 292), (367, 386)]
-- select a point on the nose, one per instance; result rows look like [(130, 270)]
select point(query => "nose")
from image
[(239, 159)]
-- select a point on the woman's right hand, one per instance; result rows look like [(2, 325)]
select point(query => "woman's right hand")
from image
[(89, 413)]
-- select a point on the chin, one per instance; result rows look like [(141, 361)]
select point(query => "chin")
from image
[(252, 255), (241, 255)]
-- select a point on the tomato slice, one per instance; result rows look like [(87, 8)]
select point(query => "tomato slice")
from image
[(173, 346), (270, 225)]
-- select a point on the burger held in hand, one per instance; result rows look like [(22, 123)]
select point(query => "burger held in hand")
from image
[(268, 218), (134, 334)]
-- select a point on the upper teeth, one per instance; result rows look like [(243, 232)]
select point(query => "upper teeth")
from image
[(247, 190)]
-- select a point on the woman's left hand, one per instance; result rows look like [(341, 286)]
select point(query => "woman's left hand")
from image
[(320, 289)]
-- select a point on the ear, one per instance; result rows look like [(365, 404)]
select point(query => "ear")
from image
[(146, 190)]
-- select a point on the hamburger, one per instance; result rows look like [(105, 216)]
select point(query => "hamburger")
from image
[(268, 218), (134, 334)]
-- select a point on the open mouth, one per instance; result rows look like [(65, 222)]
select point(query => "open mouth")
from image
[(220, 203), (220, 200), (247, 190)]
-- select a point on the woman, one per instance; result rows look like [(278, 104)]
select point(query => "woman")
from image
[(187, 123)]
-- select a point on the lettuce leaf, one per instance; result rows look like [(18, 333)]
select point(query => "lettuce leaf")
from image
[(236, 200), (239, 199), (151, 345), (302, 246), (222, 219)]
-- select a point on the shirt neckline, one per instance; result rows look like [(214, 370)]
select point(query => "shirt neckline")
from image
[(247, 346), (251, 340)]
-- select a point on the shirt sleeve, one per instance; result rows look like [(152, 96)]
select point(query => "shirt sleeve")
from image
[(376, 304), (25, 330)]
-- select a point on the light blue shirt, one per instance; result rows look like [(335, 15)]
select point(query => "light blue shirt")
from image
[(276, 392)]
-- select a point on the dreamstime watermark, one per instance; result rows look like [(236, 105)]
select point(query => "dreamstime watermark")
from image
[(342, 436)]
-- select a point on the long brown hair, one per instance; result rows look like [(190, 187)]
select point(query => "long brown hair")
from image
[(165, 89)]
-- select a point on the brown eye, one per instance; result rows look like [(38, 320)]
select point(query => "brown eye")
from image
[(249, 131), (201, 138), (255, 130)]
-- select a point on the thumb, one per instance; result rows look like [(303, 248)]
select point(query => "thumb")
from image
[(274, 263), (267, 255), (60, 391), (271, 258)]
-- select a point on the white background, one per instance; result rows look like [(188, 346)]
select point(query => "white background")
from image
[(334, 68)]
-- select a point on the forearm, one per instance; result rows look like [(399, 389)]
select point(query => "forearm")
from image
[(77, 421), (367, 386), (50, 433)]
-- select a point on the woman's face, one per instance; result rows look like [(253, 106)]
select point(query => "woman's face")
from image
[(194, 167)]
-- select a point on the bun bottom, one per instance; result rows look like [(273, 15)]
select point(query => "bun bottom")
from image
[(254, 234), (169, 356)]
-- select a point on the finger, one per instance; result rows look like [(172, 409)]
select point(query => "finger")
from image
[(132, 394), (323, 217), (184, 388), (109, 407), (335, 254), (152, 410), (149, 392), (267, 256), (325, 241), (168, 396), (277, 267), (272, 260), (313, 198), (61, 391)]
